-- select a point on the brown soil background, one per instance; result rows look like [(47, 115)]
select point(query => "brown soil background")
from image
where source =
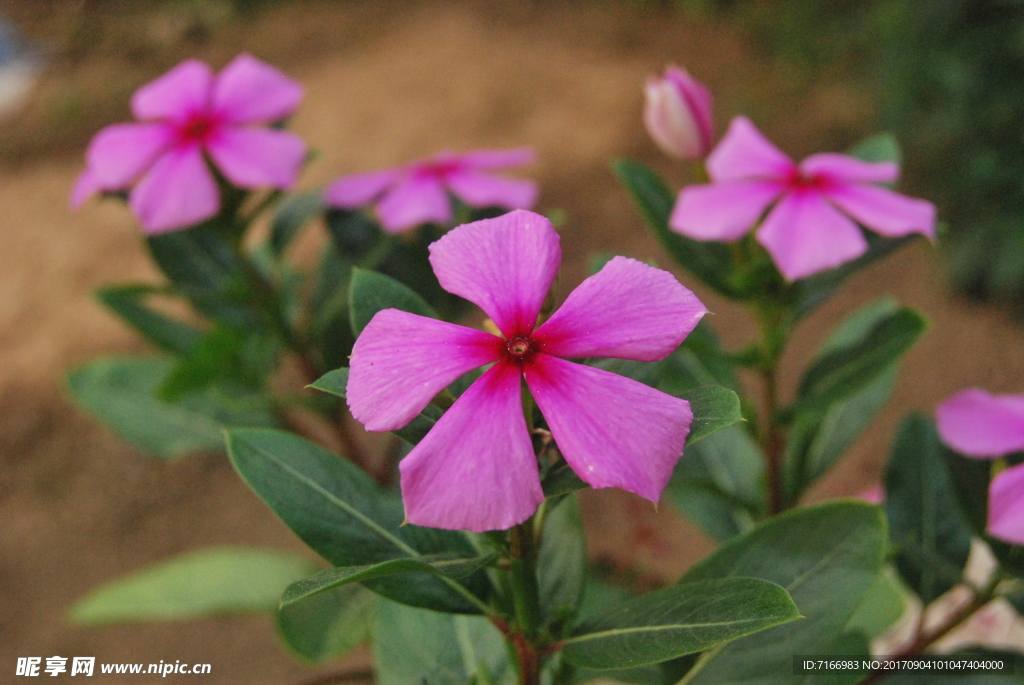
[(386, 82)]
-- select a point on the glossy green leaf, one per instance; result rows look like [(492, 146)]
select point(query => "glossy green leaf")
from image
[(970, 478), (328, 625), (700, 360), (678, 620), (820, 435), (827, 556), (416, 646), (714, 408), (122, 393), (708, 261), (436, 564), (204, 583), (293, 214), (128, 302), (223, 355), (562, 560), (371, 292), (925, 520), (845, 370), (719, 483), (883, 604), (203, 265), (346, 518)]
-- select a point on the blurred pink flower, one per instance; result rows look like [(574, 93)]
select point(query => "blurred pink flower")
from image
[(811, 227), (188, 112), (875, 494), (476, 469), (677, 114), (985, 426), (416, 193)]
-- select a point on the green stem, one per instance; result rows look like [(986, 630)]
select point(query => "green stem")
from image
[(704, 659), (525, 600), (774, 335)]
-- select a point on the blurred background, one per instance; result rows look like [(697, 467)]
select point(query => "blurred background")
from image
[(391, 81)]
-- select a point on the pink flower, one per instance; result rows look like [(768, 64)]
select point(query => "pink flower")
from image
[(476, 468), (986, 426), (811, 227), (185, 113), (677, 114), (416, 193)]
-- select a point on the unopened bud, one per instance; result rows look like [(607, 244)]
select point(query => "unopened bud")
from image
[(678, 114)]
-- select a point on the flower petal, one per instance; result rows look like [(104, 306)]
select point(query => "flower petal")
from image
[(86, 185), (401, 361), (628, 310), (181, 91), (883, 210), (475, 470), (249, 91), (497, 159), (613, 431), (805, 235), (1006, 505), (178, 191), (356, 190), (722, 211), (257, 157), (978, 424), (119, 154), (504, 265), (416, 200), (484, 190), (842, 168), (745, 154)]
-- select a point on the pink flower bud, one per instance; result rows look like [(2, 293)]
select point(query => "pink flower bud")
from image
[(678, 114)]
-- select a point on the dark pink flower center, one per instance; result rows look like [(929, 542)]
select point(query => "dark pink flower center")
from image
[(197, 128), (520, 349), (800, 181)]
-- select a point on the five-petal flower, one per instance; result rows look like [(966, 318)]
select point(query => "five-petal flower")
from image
[(188, 112), (416, 193), (476, 468), (805, 232), (985, 426)]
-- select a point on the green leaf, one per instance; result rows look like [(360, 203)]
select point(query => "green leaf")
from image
[(882, 606), (714, 408), (436, 564), (223, 355), (820, 435), (826, 556), (562, 561), (346, 518), (121, 392), (127, 301), (678, 620), (700, 360), (371, 292), (881, 147), (970, 478), (719, 483), (203, 266), (204, 583), (329, 625), (293, 214), (708, 261), (933, 535), (416, 646), (845, 370)]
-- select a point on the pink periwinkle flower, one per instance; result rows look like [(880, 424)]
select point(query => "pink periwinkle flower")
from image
[(188, 113), (476, 469), (417, 193), (677, 114), (977, 424), (811, 226)]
